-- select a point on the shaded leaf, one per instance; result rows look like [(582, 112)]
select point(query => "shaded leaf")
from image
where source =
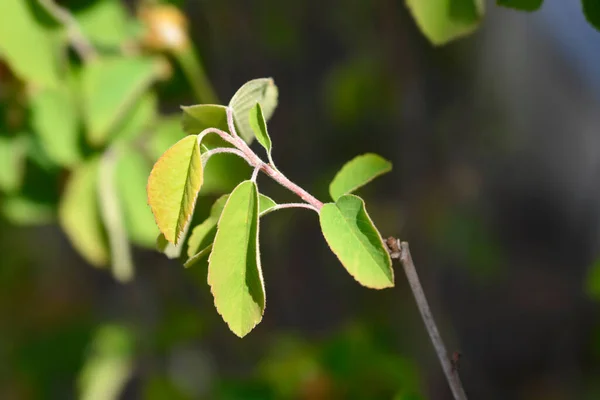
[(111, 87), (261, 91), (259, 126), (523, 5), (591, 10), (132, 174), (201, 116), (358, 172), (13, 151), (79, 214), (109, 364), (55, 120), (265, 203), (444, 20), (112, 216), (234, 271), (29, 47), (353, 238), (173, 187)]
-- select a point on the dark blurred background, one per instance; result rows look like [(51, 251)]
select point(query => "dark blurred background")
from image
[(495, 142)]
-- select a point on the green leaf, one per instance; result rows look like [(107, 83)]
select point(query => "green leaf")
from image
[(444, 20), (13, 151), (111, 87), (353, 238), (109, 364), (167, 130), (112, 216), (139, 118), (234, 271), (55, 120), (523, 5), (201, 116), (29, 47), (79, 214), (358, 172), (105, 23), (259, 126), (203, 235), (173, 187), (265, 204), (132, 174), (591, 10), (261, 91), (22, 210)]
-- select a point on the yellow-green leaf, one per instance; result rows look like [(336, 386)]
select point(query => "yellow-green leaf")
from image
[(444, 20), (234, 271), (353, 238), (173, 187), (79, 214)]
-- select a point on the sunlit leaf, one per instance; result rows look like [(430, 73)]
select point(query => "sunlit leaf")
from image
[(140, 118), (111, 87), (112, 216), (591, 9), (234, 271), (261, 91), (132, 174), (353, 238), (259, 127), (203, 234), (444, 20), (173, 187), (29, 47), (55, 121), (109, 364), (202, 237), (358, 172), (79, 214), (105, 23), (166, 132), (12, 162), (523, 5)]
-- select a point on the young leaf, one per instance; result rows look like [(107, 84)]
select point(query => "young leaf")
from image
[(265, 203), (173, 187), (261, 91), (259, 126), (112, 216), (79, 214), (30, 48), (523, 5), (132, 172), (353, 238), (201, 116), (234, 271), (444, 20), (591, 10), (111, 88), (56, 123), (358, 172)]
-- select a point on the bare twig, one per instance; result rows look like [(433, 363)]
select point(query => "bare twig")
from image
[(400, 250), (78, 40)]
